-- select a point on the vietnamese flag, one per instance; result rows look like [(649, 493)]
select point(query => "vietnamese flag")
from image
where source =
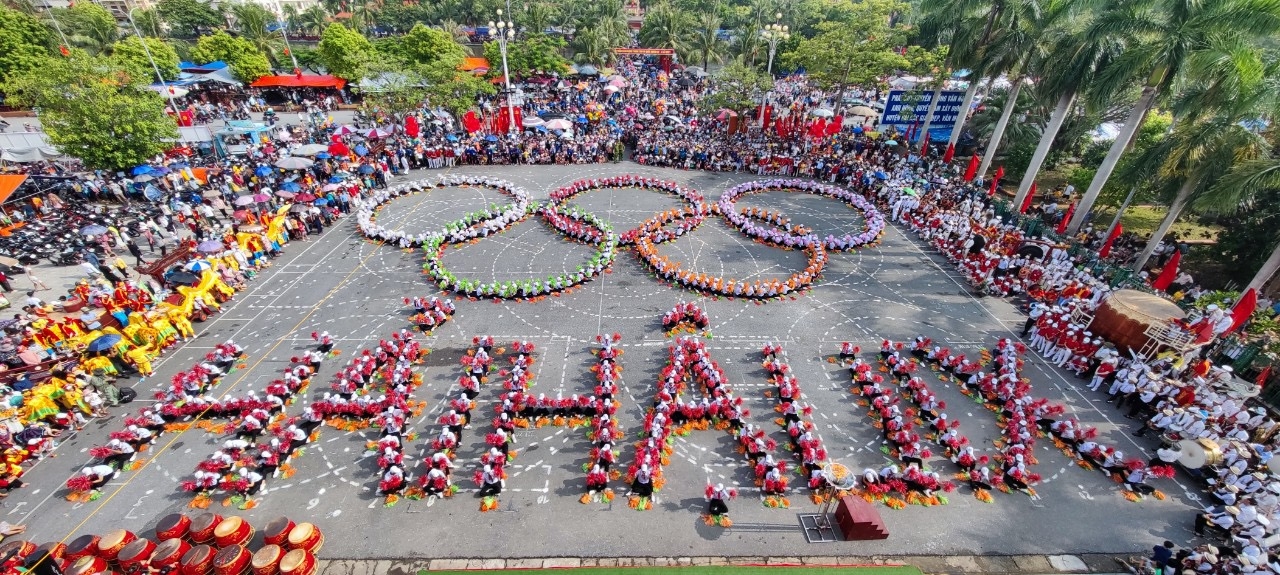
[(995, 182), (1106, 246), (972, 170), (1243, 309), (1066, 218), (951, 153)]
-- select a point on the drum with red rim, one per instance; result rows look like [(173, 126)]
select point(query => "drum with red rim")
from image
[(55, 549), (298, 562), (306, 536), (198, 561), (23, 549), (233, 531), (277, 531), (202, 527), (173, 526), (88, 565), (136, 555), (113, 542), (169, 553), (82, 546), (232, 560), (267, 560)]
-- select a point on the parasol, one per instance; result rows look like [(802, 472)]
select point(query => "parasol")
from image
[(93, 230), (104, 343), (210, 247), (294, 163), (198, 266), (310, 149)]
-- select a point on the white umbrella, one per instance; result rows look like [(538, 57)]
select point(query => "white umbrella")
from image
[(310, 149), (862, 111), (558, 124), (822, 113), (532, 122), (293, 163), (344, 130), (611, 89)]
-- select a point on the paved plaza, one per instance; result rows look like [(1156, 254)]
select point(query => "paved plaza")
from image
[(354, 288)]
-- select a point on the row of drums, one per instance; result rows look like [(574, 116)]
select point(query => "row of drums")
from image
[(208, 544)]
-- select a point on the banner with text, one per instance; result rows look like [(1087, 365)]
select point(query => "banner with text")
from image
[(906, 108)]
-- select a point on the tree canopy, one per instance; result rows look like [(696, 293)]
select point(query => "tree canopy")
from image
[(188, 18), (24, 43), (95, 110), (536, 52), (342, 51), (129, 55), (246, 62)]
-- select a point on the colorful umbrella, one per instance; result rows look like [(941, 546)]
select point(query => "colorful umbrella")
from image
[(210, 247)]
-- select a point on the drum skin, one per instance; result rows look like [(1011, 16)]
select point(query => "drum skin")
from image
[(1124, 317)]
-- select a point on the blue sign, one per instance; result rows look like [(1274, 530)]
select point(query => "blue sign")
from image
[(905, 108)]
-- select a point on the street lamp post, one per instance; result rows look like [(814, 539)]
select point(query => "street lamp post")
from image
[(159, 77), (504, 32), (773, 34)]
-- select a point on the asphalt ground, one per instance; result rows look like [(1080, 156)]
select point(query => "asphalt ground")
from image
[(354, 289)]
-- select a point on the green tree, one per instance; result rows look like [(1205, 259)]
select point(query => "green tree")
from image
[(247, 63), (308, 59), (739, 88), (189, 18), (591, 47), (705, 40), (342, 50), (453, 90), (1168, 33), (150, 23), (95, 111), (89, 26), (129, 56), (838, 56), (666, 26), (534, 53), (24, 42), (393, 86), (424, 45), (254, 23), (536, 17), (313, 19)]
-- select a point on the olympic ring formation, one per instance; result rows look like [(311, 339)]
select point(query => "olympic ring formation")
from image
[(764, 226)]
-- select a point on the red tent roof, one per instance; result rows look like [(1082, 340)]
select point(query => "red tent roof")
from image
[(296, 82)]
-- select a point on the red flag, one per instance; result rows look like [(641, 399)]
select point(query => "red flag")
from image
[(1106, 246), (1263, 375), (995, 182), (1026, 204), (1066, 218), (951, 153), (1243, 309), (924, 143), (471, 122), (62, 49), (835, 125), (972, 170), (1169, 272), (411, 126)]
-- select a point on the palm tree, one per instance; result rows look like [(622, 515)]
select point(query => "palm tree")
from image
[(705, 39), (255, 24), (454, 29), (745, 44), (536, 16), (590, 47), (666, 26), (1061, 80), (1168, 33), (963, 28), (313, 19)]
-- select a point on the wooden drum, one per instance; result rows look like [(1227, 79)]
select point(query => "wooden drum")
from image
[(233, 560), (267, 560), (1124, 317), (233, 531), (82, 546), (202, 528), (298, 562), (136, 555), (277, 531), (169, 553), (198, 561), (173, 526), (307, 537), (55, 549), (111, 544), (88, 565)]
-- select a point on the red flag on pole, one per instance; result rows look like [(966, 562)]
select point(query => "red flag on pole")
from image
[(1066, 218), (972, 170), (951, 153), (1026, 204), (1243, 309), (1169, 272), (1106, 246), (924, 143), (995, 182)]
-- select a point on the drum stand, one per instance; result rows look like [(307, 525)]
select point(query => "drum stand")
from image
[(818, 527), (1161, 336)]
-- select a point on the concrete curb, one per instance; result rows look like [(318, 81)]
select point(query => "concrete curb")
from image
[(932, 564)]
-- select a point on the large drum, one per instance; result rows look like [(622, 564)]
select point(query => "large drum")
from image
[(233, 560), (55, 549), (277, 531), (267, 560), (82, 546), (169, 553), (306, 536), (233, 531), (113, 542), (173, 526), (202, 527), (1124, 317), (20, 548), (1198, 453), (198, 561), (88, 565), (136, 555), (298, 562)]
